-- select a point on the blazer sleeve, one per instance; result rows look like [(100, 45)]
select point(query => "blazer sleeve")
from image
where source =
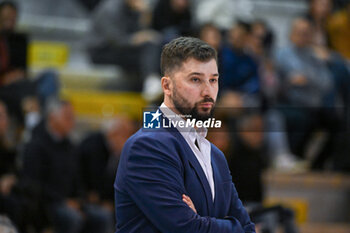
[(239, 212), (155, 183)]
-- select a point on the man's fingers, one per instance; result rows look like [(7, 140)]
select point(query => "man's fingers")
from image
[(186, 200), (189, 202)]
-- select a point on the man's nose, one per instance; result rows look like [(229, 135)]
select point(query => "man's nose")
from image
[(206, 89)]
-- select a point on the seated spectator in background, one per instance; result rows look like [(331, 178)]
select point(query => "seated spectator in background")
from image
[(318, 14), (340, 98), (245, 149), (121, 35), (99, 158), (260, 45), (338, 28), (339, 70), (248, 158), (306, 79), (238, 70), (306, 87), (172, 18), (51, 167), (212, 35), (261, 40), (15, 85)]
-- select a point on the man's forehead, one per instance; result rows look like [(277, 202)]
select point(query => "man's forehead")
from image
[(192, 63)]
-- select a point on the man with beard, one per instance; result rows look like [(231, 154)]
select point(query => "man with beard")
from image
[(174, 180)]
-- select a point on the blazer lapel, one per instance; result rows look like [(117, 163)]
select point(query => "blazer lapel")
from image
[(199, 171), (222, 195), (216, 181), (195, 165)]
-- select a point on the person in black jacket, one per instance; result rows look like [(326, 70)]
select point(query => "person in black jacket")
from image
[(51, 166), (16, 84)]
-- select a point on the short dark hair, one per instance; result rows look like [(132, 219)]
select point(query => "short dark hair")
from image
[(179, 50), (11, 4), (246, 26)]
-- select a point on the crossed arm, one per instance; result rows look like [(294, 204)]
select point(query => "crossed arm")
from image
[(158, 175)]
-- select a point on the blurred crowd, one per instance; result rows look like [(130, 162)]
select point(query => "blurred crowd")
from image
[(282, 108)]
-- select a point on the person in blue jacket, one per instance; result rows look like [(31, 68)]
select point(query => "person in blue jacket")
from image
[(173, 179)]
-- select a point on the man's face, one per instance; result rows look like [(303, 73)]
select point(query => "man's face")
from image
[(238, 36), (321, 8), (179, 5), (8, 19), (212, 36), (137, 5), (301, 33), (194, 88), (64, 120)]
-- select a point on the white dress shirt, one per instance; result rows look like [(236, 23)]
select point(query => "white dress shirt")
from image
[(203, 153)]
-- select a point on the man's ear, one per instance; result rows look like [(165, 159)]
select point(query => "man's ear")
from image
[(166, 85)]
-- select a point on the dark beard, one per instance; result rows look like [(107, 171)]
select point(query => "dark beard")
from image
[(201, 116), (180, 102)]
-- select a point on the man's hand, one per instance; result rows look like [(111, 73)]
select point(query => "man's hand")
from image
[(189, 202)]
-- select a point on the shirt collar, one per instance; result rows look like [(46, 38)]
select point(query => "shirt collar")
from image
[(189, 131)]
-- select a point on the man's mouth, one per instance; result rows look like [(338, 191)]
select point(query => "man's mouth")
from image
[(206, 105)]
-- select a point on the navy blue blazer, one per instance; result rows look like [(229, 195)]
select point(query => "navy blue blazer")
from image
[(155, 169)]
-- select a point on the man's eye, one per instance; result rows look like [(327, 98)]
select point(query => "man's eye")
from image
[(195, 80), (213, 80)]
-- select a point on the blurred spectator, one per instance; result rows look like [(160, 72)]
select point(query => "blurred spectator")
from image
[(261, 39), (172, 18), (14, 82), (8, 16), (245, 150), (242, 145), (238, 70), (339, 31), (51, 167), (259, 46), (340, 98), (121, 36), (306, 79), (248, 158), (307, 87), (212, 35), (339, 71), (99, 154), (318, 14)]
